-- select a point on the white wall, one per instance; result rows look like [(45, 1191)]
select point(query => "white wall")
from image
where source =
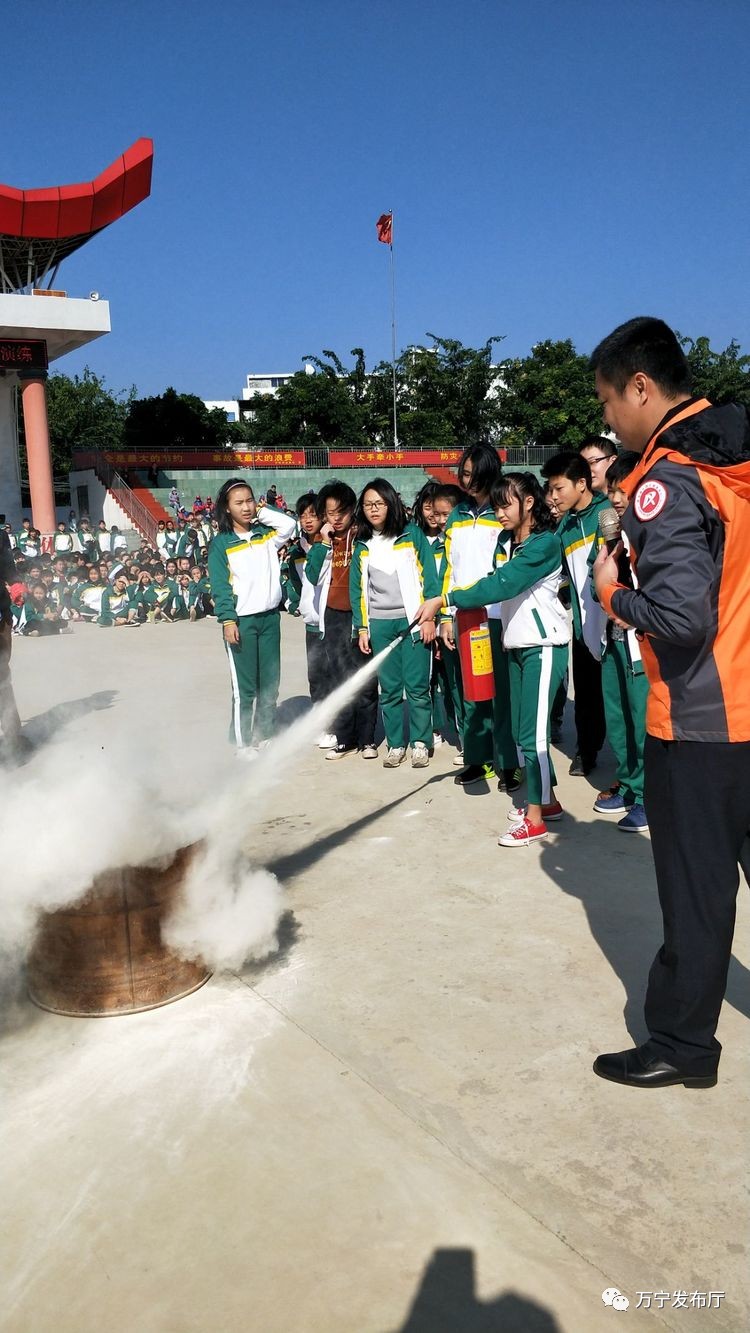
[(101, 504)]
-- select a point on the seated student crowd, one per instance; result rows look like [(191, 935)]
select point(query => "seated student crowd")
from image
[(50, 592)]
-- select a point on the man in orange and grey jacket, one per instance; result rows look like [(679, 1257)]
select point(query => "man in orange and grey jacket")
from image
[(688, 524)]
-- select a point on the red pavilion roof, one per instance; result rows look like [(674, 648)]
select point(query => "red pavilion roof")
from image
[(38, 228)]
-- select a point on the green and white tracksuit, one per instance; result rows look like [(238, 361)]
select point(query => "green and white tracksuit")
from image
[(317, 582), (625, 692), (536, 635), (389, 579), (296, 587), (445, 684), (475, 543), (196, 594), (87, 600), (116, 605), (578, 534), (246, 586), (185, 545), (160, 600), (303, 598)]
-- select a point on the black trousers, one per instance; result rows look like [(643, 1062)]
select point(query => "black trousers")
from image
[(355, 724), (697, 797), (589, 704), (318, 671)]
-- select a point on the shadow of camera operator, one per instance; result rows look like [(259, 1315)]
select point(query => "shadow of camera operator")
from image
[(446, 1302)]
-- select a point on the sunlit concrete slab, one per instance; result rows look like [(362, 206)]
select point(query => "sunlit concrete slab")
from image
[(392, 1124)]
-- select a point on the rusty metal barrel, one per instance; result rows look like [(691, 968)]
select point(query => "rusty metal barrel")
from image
[(105, 954)]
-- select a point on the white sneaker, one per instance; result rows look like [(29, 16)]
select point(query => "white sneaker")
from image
[(420, 757), (458, 759), (247, 753), (327, 741), (394, 757), (436, 740)]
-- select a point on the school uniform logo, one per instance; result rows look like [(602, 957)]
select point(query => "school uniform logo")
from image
[(650, 499)]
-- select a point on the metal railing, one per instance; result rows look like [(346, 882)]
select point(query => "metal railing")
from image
[(136, 511)]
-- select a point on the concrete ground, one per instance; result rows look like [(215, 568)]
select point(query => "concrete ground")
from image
[(392, 1124)]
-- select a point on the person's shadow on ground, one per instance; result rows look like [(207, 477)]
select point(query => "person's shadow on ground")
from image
[(612, 874), (446, 1302), (47, 726)]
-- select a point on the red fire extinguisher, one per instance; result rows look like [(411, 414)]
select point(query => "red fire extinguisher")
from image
[(475, 652)]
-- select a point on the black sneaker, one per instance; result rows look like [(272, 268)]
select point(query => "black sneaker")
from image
[(474, 773), (511, 780), (341, 751), (580, 767)]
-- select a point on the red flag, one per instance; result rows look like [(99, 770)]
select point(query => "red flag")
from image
[(384, 227)]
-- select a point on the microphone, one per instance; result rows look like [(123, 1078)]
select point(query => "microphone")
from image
[(609, 527)]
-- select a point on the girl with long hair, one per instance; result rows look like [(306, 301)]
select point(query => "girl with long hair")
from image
[(392, 571), (536, 635), (475, 542), (243, 567)]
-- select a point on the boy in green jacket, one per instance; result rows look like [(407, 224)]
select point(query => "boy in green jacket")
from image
[(569, 485)]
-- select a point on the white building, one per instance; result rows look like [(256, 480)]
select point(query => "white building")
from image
[(265, 385)]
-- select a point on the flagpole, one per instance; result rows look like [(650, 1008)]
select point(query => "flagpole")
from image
[(393, 335)]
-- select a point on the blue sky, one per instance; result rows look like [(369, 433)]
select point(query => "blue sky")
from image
[(554, 166)]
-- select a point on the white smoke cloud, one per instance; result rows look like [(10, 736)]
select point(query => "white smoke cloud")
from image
[(73, 812)]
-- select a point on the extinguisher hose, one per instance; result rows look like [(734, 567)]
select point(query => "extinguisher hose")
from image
[(400, 637)]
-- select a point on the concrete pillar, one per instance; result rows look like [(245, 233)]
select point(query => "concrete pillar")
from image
[(10, 476), (41, 486)]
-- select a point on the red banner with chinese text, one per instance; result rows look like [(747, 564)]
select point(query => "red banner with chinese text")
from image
[(398, 457), (226, 458)]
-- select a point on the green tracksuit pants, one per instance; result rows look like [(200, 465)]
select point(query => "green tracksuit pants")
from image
[(445, 717), (406, 671), (255, 670), (625, 692), (535, 675), (449, 679), (488, 733)]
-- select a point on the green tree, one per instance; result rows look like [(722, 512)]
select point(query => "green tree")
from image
[(724, 377), (445, 395), (323, 408), (84, 414), (548, 398), (174, 420)]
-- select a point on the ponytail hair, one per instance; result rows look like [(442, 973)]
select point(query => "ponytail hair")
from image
[(522, 485)]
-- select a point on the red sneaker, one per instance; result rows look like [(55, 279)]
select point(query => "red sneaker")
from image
[(551, 813), (520, 835)]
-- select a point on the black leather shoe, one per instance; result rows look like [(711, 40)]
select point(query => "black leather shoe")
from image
[(639, 1070)]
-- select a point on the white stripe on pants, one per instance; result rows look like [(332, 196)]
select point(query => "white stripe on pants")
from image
[(542, 721), (236, 714)]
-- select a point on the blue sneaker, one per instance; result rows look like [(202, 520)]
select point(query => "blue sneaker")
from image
[(635, 821), (610, 803)]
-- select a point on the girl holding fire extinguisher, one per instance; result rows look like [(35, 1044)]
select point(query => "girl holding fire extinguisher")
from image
[(475, 542), (536, 635)]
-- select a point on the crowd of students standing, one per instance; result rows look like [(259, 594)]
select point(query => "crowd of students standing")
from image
[(366, 574)]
